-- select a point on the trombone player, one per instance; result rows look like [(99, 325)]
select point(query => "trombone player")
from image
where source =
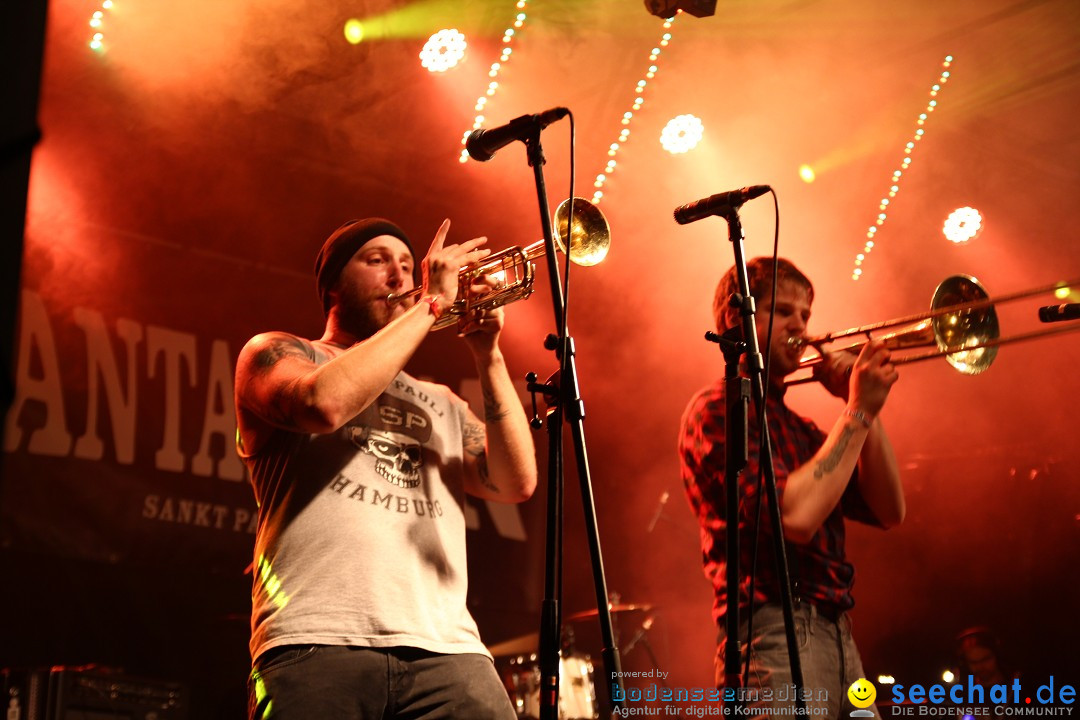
[(823, 478), (360, 471)]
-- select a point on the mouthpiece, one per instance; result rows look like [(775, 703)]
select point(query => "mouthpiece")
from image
[(395, 298)]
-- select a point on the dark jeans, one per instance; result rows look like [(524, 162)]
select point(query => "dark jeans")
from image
[(827, 652), (328, 682)]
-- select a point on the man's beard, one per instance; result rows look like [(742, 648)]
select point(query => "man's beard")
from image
[(363, 317)]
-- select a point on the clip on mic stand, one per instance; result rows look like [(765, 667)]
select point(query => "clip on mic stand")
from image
[(736, 425), (563, 394)]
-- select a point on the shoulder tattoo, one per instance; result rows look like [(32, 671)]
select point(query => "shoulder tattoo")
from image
[(281, 346)]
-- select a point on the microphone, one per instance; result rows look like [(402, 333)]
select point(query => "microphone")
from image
[(659, 511), (718, 204), (483, 144), (1057, 313)]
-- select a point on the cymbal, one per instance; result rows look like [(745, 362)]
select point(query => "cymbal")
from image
[(524, 645), (613, 608)]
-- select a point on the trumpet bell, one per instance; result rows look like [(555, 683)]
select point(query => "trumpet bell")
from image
[(590, 235), (512, 269), (967, 328)]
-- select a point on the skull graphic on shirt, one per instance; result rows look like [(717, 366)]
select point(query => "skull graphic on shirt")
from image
[(398, 457)]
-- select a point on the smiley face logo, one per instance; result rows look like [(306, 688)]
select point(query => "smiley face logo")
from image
[(862, 693)]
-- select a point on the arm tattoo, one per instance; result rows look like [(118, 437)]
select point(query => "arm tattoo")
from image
[(832, 460), (276, 348), (493, 409), (280, 347), (474, 438), (485, 477)]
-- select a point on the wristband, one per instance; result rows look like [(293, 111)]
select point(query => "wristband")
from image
[(432, 301), (858, 415)]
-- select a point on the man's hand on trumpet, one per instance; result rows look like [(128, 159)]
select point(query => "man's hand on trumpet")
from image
[(442, 263), (481, 328)]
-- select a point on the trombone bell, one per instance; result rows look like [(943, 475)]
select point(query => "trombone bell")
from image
[(963, 328), (961, 323), (972, 328)]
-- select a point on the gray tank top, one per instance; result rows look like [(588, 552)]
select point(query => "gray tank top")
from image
[(361, 533)]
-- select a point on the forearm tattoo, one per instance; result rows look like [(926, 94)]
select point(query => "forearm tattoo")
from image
[(493, 409), (832, 460), (482, 471), (474, 439)]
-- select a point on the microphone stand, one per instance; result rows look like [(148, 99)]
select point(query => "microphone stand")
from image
[(745, 302), (737, 402), (564, 394)]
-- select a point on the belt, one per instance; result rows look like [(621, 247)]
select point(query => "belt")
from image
[(829, 612)]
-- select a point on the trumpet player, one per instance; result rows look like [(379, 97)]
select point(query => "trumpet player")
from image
[(823, 479), (359, 470)]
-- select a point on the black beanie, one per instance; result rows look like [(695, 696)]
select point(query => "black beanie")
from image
[(343, 244)]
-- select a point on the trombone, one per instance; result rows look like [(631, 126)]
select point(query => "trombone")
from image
[(513, 269), (961, 326)]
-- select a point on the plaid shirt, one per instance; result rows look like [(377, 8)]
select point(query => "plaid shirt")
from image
[(819, 570)]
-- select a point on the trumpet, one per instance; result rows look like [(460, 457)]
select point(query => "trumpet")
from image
[(513, 269), (961, 326)]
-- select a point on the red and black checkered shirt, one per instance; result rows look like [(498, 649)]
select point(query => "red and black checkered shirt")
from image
[(819, 570)]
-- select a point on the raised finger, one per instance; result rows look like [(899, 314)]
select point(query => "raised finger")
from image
[(440, 237)]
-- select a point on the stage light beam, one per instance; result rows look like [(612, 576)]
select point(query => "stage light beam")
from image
[(354, 31)]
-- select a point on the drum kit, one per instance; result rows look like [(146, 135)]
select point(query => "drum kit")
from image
[(577, 687)]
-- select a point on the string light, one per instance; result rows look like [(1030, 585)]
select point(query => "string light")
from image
[(639, 99), (493, 73), (97, 24), (905, 163), (963, 224), (443, 50)]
